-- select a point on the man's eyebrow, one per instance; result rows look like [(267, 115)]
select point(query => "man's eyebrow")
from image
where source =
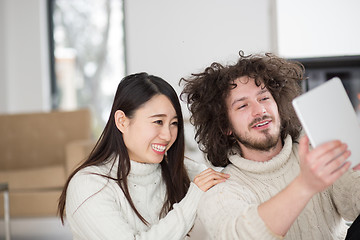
[(262, 91), (238, 100)]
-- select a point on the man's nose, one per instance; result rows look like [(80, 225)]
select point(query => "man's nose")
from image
[(258, 109)]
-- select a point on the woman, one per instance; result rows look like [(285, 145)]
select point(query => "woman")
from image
[(134, 184)]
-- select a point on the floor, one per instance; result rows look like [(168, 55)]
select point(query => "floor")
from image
[(36, 229), (52, 229)]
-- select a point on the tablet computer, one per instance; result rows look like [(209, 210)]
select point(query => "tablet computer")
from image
[(326, 113)]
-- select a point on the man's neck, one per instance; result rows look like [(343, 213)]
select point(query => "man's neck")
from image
[(261, 156)]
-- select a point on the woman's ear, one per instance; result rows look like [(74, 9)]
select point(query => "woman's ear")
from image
[(120, 120), (229, 132)]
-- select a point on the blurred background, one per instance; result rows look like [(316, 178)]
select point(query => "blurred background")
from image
[(65, 55)]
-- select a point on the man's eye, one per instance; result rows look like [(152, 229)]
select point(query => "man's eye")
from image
[(242, 106), (265, 98)]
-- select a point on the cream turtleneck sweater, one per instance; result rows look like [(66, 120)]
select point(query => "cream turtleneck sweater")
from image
[(96, 207), (229, 210)]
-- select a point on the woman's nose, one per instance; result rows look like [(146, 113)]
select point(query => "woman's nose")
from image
[(165, 133)]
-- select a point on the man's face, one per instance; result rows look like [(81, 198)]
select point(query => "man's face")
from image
[(253, 115)]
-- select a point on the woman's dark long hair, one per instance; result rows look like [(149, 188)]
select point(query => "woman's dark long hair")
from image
[(132, 92), (206, 92)]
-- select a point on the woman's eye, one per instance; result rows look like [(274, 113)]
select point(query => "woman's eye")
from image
[(175, 123), (158, 122), (264, 98)]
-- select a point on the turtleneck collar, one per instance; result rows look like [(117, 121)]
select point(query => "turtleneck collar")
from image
[(142, 169), (264, 167), (139, 172)]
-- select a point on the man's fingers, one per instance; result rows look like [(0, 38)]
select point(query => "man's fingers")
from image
[(357, 167), (334, 158), (328, 150), (339, 172), (304, 145)]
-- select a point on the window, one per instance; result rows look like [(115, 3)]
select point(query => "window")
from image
[(88, 55)]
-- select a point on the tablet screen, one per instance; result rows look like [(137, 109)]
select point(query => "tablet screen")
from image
[(326, 113)]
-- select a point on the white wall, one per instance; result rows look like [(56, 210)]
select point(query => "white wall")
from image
[(170, 39), (173, 39), (3, 85), (25, 83), (318, 28), (167, 38)]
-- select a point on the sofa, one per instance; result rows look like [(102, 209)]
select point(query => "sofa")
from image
[(38, 151)]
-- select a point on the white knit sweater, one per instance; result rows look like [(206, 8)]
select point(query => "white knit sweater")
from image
[(229, 210), (96, 207)]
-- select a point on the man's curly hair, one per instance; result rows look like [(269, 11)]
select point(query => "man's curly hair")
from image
[(205, 95)]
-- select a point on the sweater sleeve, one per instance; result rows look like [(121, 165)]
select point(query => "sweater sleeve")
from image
[(196, 167), (346, 195), (229, 214), (93, 212)]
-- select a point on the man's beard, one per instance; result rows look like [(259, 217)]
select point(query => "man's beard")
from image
[(262, 144)]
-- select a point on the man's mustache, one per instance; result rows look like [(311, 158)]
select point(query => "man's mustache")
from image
[(259, 119)]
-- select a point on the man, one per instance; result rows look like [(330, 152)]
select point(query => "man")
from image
[(278, 186)]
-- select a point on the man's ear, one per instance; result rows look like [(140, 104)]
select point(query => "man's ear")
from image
[(121, 120)]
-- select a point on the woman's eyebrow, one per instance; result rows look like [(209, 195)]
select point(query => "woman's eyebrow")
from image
[(158, 115), (161, 115)]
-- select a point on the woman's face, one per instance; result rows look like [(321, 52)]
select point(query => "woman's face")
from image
[(152, 130)]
